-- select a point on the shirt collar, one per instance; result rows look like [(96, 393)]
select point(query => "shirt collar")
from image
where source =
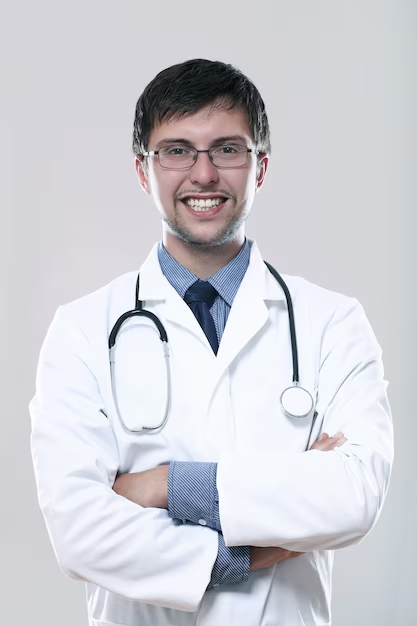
[(226, 280)]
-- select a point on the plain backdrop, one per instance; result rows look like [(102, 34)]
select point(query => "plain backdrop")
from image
[(338, 207)]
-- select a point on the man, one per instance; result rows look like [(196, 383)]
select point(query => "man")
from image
[(226, 509)]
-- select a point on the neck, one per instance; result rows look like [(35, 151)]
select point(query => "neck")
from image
[(201, 260)]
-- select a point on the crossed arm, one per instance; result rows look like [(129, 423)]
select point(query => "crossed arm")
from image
[(150, 489)]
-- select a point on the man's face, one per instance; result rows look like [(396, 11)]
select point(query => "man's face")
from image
[(174, 190)]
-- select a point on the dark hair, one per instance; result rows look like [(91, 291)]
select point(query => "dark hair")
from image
[(187, 87)]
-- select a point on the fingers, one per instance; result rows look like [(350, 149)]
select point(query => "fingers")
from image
[(326, 443), (323, 436), (261, 558), (341, 439), (291, 554)]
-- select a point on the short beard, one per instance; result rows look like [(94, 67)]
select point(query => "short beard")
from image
[(187, 236)]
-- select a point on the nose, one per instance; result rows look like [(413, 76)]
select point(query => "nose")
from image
[(203, 171)]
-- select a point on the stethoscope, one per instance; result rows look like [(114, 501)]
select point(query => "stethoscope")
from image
[(296, 401)]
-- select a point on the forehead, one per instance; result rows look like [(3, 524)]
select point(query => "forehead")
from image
[(204, 126)]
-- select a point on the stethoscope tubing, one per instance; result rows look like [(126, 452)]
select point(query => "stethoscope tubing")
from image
[(293, 335), (139, 311)]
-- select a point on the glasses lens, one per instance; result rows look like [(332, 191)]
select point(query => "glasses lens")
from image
[(230, 155), (177, 157)]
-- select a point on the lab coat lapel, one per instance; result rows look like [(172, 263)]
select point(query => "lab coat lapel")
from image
[(178, 312), (249, 313), (155, 287)]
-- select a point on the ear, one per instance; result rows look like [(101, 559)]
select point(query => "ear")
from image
[(261, 169), (142, 173)]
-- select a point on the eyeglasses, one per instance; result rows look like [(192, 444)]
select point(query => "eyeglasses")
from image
[(178, 157)]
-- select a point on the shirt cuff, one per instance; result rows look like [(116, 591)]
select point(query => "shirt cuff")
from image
[(192, 493), (231, 566)]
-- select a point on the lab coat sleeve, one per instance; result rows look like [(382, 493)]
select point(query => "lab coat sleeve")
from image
[(97, 535), (320, 500)]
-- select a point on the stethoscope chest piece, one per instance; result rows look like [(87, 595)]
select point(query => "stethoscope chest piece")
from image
[(296, 401)]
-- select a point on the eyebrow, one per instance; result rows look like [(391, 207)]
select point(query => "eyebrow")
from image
[(189, 143)]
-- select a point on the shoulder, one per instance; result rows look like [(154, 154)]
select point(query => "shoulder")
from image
[(337, 316), (104, 302), (308, 294)]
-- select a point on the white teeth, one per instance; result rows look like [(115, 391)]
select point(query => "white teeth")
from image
[(203, 205)]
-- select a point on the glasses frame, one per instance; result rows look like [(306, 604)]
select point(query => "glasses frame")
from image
[(197, 152)]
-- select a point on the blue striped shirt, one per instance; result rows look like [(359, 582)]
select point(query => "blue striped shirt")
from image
[(226, 281), (192, 492)]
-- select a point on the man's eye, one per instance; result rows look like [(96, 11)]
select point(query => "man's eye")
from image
[(177, 150), (229, 149)]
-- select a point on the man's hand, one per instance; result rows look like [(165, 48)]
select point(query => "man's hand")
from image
[(326, 443), (261, 558), (148, 489)]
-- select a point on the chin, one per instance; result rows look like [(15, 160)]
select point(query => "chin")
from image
[(196, 240), (207, 235)]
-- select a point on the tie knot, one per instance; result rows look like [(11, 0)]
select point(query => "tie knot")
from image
[(201, 291)]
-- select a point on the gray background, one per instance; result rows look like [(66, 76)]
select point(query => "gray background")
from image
[(336, 208)]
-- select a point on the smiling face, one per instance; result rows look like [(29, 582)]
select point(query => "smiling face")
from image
[(182, 221)]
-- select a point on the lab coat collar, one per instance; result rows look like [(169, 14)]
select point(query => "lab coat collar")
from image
[(258, 281), (248, 314)]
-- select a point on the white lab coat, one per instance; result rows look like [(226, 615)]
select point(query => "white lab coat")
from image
[(139, 566)]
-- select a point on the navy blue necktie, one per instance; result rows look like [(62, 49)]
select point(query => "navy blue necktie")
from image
[(200, 297)]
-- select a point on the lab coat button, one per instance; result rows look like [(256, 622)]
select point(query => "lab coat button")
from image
[(202, 522)]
